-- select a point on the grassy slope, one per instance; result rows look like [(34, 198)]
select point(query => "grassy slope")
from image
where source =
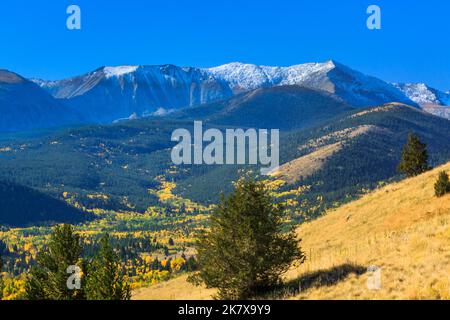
[(401, 228)]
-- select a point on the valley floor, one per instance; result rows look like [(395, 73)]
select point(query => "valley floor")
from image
[(402, 229)]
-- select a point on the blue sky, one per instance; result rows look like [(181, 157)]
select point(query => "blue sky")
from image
[(413, 44)]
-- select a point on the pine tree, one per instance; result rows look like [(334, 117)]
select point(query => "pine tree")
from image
[(245, 251), (442, 185), (106, 279), (414, 157), (48, 280)]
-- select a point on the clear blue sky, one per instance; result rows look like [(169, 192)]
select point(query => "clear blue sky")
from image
[(413, 44)]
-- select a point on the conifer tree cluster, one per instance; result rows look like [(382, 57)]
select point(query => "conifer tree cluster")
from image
[(101, 278), (105, 281)]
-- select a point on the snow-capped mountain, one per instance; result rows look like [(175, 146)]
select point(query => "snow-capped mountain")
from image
[(111, 93), (423, 94), (353, 87), (431, 100)]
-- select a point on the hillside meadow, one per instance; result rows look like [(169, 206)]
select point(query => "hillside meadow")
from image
[(401, 228)]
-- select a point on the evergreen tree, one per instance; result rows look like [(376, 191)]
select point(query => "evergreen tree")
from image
[(442, 185), (245, 251), (48, 280), (414, 157), (106, 278)]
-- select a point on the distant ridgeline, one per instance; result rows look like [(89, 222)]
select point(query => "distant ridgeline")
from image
[(22, 206)]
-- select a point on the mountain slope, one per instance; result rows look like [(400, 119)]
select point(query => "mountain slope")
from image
[(423, 94), (112, 93), (21, 206), (120, 161), (343, 156), (431, 100), (124, 160), (402, 228), (25, 106), (353, 87), (437, 110), (284, 107)]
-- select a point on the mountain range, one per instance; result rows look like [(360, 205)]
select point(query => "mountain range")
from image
[(341, 131), (112, 93)]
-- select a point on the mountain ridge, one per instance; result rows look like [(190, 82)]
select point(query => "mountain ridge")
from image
[(423, 94), (21, 206), (432, 100), (111, 93), (24, 106)]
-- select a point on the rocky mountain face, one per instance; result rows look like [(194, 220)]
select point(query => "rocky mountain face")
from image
[(431, 100), (423, 94), (111, 93)]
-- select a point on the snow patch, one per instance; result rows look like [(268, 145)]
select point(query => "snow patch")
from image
[(245, 77), (423, 94), (111, 72)]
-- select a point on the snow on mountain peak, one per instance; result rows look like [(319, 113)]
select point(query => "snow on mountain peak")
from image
[(423, 94), (118, 71), (244, 77), (144, 88)]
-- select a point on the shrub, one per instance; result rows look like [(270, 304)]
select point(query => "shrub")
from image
[(442, 185)]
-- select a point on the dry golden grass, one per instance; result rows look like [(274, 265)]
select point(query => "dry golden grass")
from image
[(175, 289), (307, 165), (402, 229)]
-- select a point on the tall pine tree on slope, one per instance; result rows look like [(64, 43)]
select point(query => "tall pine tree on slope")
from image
[(245, 251), (414, 157)]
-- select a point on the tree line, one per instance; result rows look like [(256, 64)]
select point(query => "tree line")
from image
[(61, 273)]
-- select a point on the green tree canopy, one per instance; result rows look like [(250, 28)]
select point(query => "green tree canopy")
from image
[(245, 251), (106, 279), (414, 157), (442, 185), (49, 279)]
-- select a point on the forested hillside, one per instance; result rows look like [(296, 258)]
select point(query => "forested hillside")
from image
[(22, 206)]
